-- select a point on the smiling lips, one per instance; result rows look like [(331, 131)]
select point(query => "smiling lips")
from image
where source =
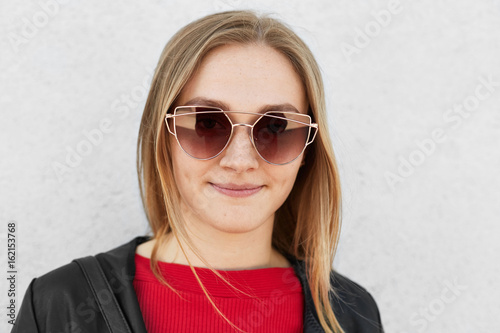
[(237, 191)]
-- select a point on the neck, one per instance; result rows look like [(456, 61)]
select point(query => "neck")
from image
[(223, 250)]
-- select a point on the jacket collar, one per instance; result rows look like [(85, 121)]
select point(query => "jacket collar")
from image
[(311, 320)]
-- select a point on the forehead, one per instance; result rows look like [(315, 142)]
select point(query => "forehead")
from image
[(246, 77)]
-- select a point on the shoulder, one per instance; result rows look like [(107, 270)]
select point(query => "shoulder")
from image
[(70, 275), (65, 291), (64, 278), (353, 305)]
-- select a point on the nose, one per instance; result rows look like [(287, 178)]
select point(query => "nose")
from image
[(240, 154)]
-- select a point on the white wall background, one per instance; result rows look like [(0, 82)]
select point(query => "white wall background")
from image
[(427, 248)]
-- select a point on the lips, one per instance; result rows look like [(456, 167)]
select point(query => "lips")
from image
[(237, 190)]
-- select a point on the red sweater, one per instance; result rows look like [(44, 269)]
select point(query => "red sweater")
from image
[(277, 304)]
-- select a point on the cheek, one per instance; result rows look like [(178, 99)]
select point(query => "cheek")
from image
[(189, 173), (180, 165), (285, 179)]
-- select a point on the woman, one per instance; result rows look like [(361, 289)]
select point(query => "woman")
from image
[(241, 190)]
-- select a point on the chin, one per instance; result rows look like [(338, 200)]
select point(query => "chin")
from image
[(237, 225)]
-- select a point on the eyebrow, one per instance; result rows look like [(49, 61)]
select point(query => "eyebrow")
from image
[(202, 101)]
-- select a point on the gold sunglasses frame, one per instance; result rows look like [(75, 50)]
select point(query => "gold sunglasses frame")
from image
[(309, 140)]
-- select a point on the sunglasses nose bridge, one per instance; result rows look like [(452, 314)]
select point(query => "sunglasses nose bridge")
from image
[(243, 124), (250, 127)]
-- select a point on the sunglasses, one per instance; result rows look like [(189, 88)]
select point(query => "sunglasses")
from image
[(203, 132)]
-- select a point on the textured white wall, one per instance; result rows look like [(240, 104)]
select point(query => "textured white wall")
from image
[(404, 85)]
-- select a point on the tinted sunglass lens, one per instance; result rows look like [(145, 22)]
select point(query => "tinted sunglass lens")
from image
[(203, 134), (279, 140)]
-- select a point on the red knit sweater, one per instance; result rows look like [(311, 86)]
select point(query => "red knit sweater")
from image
[(275, 302)]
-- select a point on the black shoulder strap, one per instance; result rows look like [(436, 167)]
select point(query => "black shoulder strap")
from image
[(103, 295)]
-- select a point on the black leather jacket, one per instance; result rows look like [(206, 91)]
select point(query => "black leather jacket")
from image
[(62, 302)]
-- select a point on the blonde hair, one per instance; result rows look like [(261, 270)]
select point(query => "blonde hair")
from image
[(307, 225)]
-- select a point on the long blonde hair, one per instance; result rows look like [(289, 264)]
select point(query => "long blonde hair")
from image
[(307, 225)]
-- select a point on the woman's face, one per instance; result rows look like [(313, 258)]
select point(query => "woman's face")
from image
[(237, 191)]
